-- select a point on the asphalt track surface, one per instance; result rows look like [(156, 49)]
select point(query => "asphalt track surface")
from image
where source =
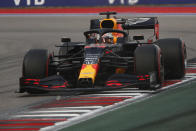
[(18, 34)]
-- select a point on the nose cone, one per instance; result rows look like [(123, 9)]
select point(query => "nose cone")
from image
[(88, 71), (85, 83)]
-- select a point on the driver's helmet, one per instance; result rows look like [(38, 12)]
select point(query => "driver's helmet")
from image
[(94, 36), (108, 38)]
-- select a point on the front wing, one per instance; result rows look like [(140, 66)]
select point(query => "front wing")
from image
[(57, 83)]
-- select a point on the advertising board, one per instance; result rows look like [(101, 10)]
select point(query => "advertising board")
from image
[(70, 3)]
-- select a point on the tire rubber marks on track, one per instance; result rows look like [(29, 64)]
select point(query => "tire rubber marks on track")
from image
[(50, 114)]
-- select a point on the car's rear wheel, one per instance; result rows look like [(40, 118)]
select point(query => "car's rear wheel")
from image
[(148, 59), (174, 56), (35, 65)]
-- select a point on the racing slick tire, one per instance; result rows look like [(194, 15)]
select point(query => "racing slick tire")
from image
[(148, 59), (174, 56), (35, 66)]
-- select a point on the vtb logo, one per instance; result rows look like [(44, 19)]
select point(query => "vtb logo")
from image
[(122, 2), (29, 2)]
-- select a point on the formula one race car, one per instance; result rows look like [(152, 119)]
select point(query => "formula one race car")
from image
[(110, 57)]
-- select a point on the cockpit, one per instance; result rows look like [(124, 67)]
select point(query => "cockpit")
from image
[(107, 36)]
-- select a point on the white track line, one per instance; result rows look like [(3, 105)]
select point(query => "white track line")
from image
[(49, 115), (92, 114), (190, 75), (82, 107), (190, 67), (119, 94), (191, 64), (120, 91), (130, 91), (60, 111), (87, 112)]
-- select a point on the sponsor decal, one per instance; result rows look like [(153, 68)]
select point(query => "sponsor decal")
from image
[(135, 21), (70, 3), (87, 73), (123, 2), (30, 2), (91, 60)]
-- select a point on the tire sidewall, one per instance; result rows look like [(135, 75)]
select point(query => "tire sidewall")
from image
[(35, 64), (148, 59), (174, 56)]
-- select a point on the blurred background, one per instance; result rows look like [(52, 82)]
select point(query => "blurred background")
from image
[(70, 3)]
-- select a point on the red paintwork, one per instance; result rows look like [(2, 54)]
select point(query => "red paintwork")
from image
[(44, 86), (142, 79), (94, 100), (159, 64), (27, 124), (36, 83), (96, 67), (21, 129), (32, 80), (83, 66), (84, 101), (79, 98), (114, 84), (76, 104), (32, 120), (170, 82), (156, 31), (191, 70), (107, 52), (61, 86), (23, 124), (123, 9)]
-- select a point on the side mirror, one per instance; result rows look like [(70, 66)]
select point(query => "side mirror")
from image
[(65, 40), (138, 37)]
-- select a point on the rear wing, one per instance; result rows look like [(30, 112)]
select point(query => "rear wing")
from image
[(142, 23)]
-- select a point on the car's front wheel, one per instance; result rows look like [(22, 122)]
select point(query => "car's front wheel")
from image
[(148, 59), (35, 65)]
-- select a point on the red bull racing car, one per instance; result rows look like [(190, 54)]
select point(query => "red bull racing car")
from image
[(110, 58)]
